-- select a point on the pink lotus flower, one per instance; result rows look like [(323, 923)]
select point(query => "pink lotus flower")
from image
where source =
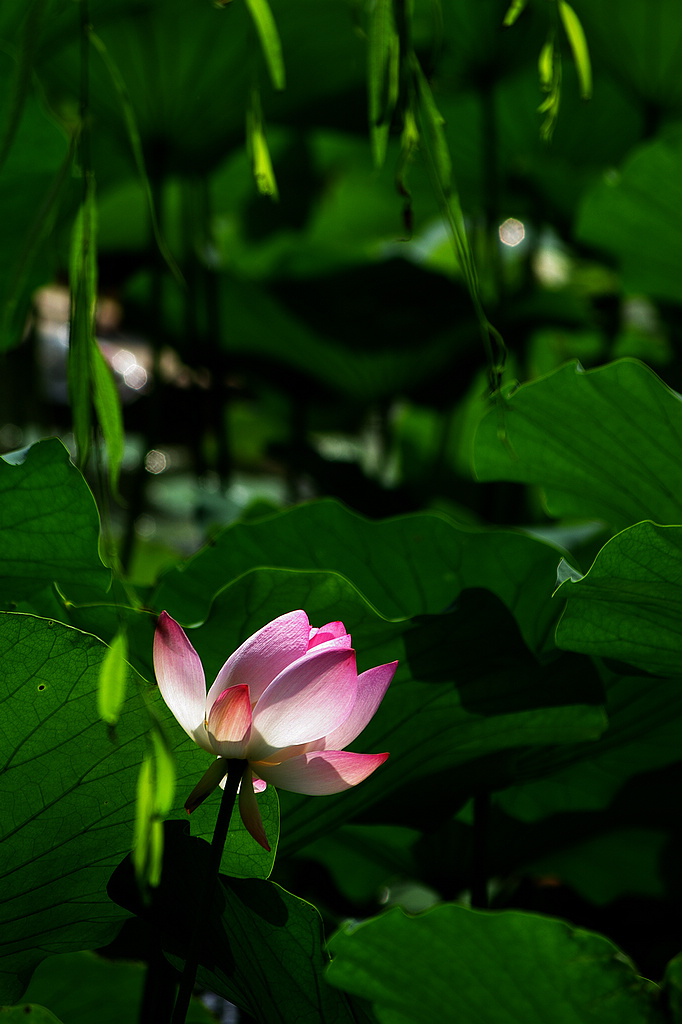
[(287, 702)]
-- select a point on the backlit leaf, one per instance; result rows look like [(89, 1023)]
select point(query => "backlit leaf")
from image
[(49, 526), (112, 680), (578, 43), (601, 443), (513, 11), (270, 41), (628, 606), (411, 967)]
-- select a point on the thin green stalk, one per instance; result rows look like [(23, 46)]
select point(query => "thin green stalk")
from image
[(235, 771)]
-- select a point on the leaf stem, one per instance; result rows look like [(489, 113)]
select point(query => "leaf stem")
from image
[(235, 772)]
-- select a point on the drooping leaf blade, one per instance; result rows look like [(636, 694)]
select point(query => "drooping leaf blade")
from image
[(515, 8), (107, 404), (112, 680), (266, 27), (82, 341), (257, 145), (383, 56), (578, 43)]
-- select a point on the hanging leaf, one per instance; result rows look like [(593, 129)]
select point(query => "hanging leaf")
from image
[(578, 44), (546, 64), (109, 414), (155, 792), (549, 73), (83, 283), (268, 34), (90, 379), (112, 680), (383, 74), (257, 146), (513, 11), (147, 865)]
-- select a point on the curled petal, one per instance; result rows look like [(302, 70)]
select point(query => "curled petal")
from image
[(264, 655), (229, 722), (210, 780), (181, 678), (321, 772), (372, 686), (313, 695), (332, 631), (249, 810)]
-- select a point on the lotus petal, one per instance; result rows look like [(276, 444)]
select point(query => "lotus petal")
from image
[(321, 772), (229, 722), (317, 692), (181, 679), (262, 657)]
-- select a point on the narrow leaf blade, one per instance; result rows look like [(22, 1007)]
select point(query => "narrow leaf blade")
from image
[(112, 680), (578, 43), (266, 27)]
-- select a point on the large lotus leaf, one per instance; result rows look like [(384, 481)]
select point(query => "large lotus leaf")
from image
[(635, 216), (495, 968), (406, 566), (262, 948), (628, 606), (457, 697), (68, 794), (601, 443), (49, 526)]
